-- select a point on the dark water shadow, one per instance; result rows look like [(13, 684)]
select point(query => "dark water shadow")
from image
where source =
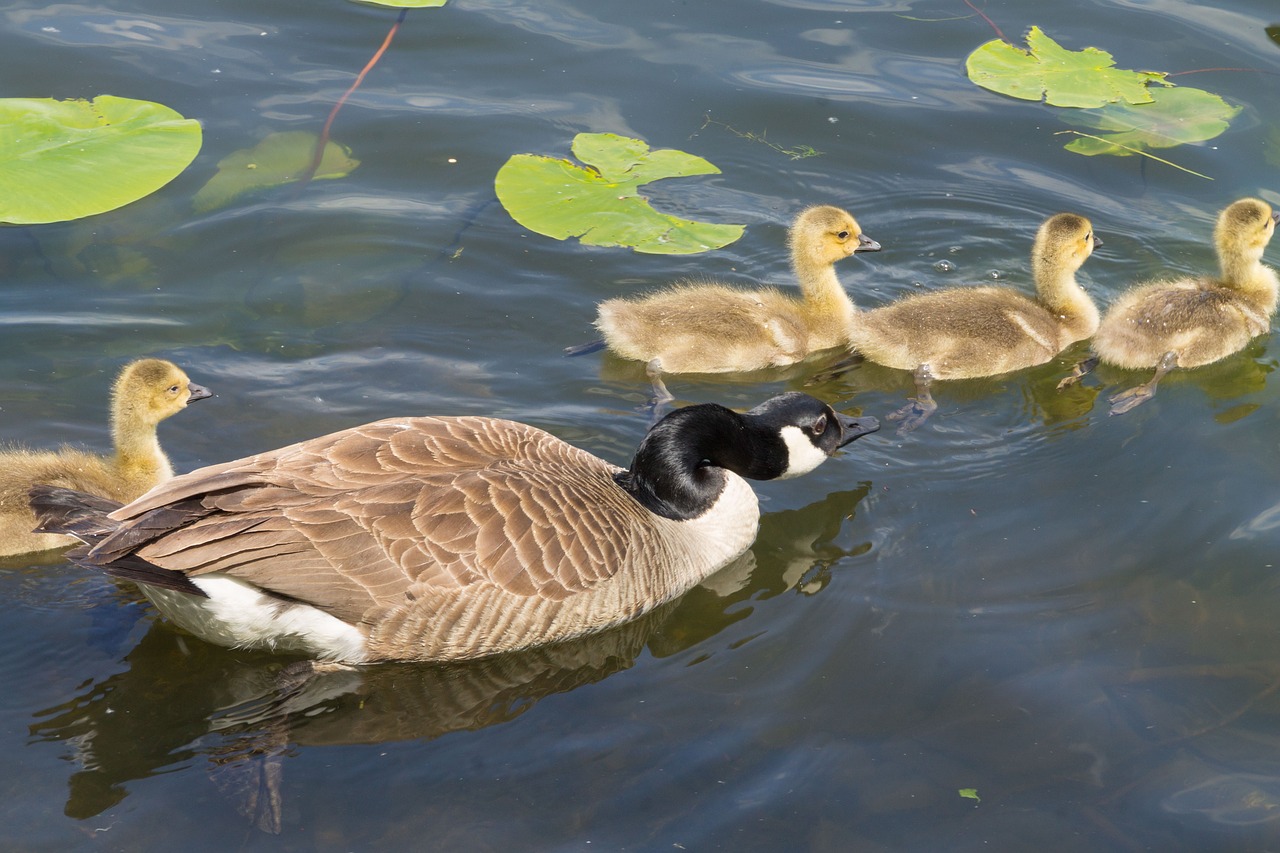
[(182, 702)]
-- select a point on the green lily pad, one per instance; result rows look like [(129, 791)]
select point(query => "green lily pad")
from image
[(1175, 116), (62, 160), (600, 204), (1064, 78), (280, 158), (404, 4)]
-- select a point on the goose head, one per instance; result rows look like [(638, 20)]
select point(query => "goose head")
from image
[(809, 430), (679, 469), (151, 389), (1063, 243), (823, 235), (1243, 231)]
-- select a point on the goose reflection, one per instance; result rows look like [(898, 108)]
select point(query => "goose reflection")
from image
[(180, 701)]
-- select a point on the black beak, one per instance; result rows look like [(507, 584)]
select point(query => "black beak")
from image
[(855, 428), (866, 244), (1097, 241), (198, 392), (1275, 217)]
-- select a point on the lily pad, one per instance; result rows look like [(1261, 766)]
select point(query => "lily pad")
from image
[(62, 160), (280, 158), (600, 204), (1064, 78), (1174, 117)]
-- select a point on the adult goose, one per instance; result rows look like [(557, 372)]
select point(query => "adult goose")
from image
[(1197, 320), (445, 538), (145, 392)]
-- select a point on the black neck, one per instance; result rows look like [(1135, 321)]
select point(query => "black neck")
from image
[(678, 470)]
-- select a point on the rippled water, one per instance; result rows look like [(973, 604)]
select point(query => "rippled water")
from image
[(1070, 613)]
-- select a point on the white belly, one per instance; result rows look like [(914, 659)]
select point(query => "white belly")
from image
[(238, 615)]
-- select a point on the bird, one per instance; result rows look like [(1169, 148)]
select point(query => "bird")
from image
[(447, 538), (146, 391), (1196, 320), (969, 332), (705, 326)]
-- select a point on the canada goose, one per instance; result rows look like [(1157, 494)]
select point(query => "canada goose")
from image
[(1193, 321), (967, 332), (708, 327), (448, 538), (145, 392)]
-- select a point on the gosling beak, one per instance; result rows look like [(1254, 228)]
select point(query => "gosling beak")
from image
[(198, 392), (1275, 217), (1097, 241), (866, 244), (855, 428)]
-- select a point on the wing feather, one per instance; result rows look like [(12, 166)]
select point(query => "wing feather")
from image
[(394, 512)]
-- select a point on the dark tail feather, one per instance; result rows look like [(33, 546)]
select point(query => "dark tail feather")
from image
[(86, 518), (131, 567), (72, 513), (585, 349)]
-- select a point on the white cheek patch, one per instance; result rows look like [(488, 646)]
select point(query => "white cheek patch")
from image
[(802, 455)]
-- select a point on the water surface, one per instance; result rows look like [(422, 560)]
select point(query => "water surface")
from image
[(1070, 613)]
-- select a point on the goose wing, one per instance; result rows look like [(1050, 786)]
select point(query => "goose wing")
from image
[(393, 512)]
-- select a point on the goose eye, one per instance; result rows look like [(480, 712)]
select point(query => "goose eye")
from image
[(173, 389), (820, 425), (842, 235)]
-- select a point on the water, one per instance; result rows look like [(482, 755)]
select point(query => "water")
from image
[(1072, 614)]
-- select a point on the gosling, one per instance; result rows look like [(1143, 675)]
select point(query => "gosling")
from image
[(146, 392), (1193, 321), (968, 332), (709, 327)]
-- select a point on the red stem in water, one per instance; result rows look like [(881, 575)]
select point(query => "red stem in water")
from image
[(984, 17), (318, 156)]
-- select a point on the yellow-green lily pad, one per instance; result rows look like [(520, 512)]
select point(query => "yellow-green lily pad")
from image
[(1063, 78), (1174, 117), (62, 160), (279, 159), (600, 204)]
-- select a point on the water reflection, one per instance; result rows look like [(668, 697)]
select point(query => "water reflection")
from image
[(241, 715)]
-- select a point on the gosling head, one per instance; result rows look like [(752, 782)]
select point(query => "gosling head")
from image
[(1244, 229), (1064, 242), (152, 389), (824, 234)]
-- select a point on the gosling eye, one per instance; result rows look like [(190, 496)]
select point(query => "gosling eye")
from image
[(174, 389), (820, 425), (842, 235)]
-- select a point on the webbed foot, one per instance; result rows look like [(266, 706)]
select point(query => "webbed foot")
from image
[(1131, 399), (915, 413), (1082, 369)]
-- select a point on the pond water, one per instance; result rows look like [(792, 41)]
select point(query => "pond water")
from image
[(1068, 616)]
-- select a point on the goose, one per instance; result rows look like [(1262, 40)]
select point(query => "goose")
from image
[(968, 332), (447, 538), (710, 327), (1193, 321), (145, 392)]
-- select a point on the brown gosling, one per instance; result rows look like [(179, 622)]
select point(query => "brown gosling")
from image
[(146, 392), (967, 332), (1193, 321), (709, 327)]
